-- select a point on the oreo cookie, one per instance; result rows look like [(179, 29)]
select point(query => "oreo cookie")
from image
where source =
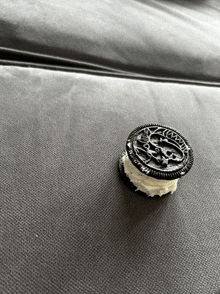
[(155, 152)]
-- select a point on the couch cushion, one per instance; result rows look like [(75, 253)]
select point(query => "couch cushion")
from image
[(175, 39), (68, 223)]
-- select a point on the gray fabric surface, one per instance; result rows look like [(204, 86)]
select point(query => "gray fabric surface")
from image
[(68, 224), (164, 38)]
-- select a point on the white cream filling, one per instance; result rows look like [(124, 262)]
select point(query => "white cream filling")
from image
[(146, 184)]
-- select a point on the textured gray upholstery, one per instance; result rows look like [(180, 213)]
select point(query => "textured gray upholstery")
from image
[(68, 223), (76, 77), (177, 39)]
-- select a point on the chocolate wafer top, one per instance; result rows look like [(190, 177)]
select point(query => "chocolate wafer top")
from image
[(159, 151)]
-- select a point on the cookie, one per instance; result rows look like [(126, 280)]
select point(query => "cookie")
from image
[(156, 157)]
